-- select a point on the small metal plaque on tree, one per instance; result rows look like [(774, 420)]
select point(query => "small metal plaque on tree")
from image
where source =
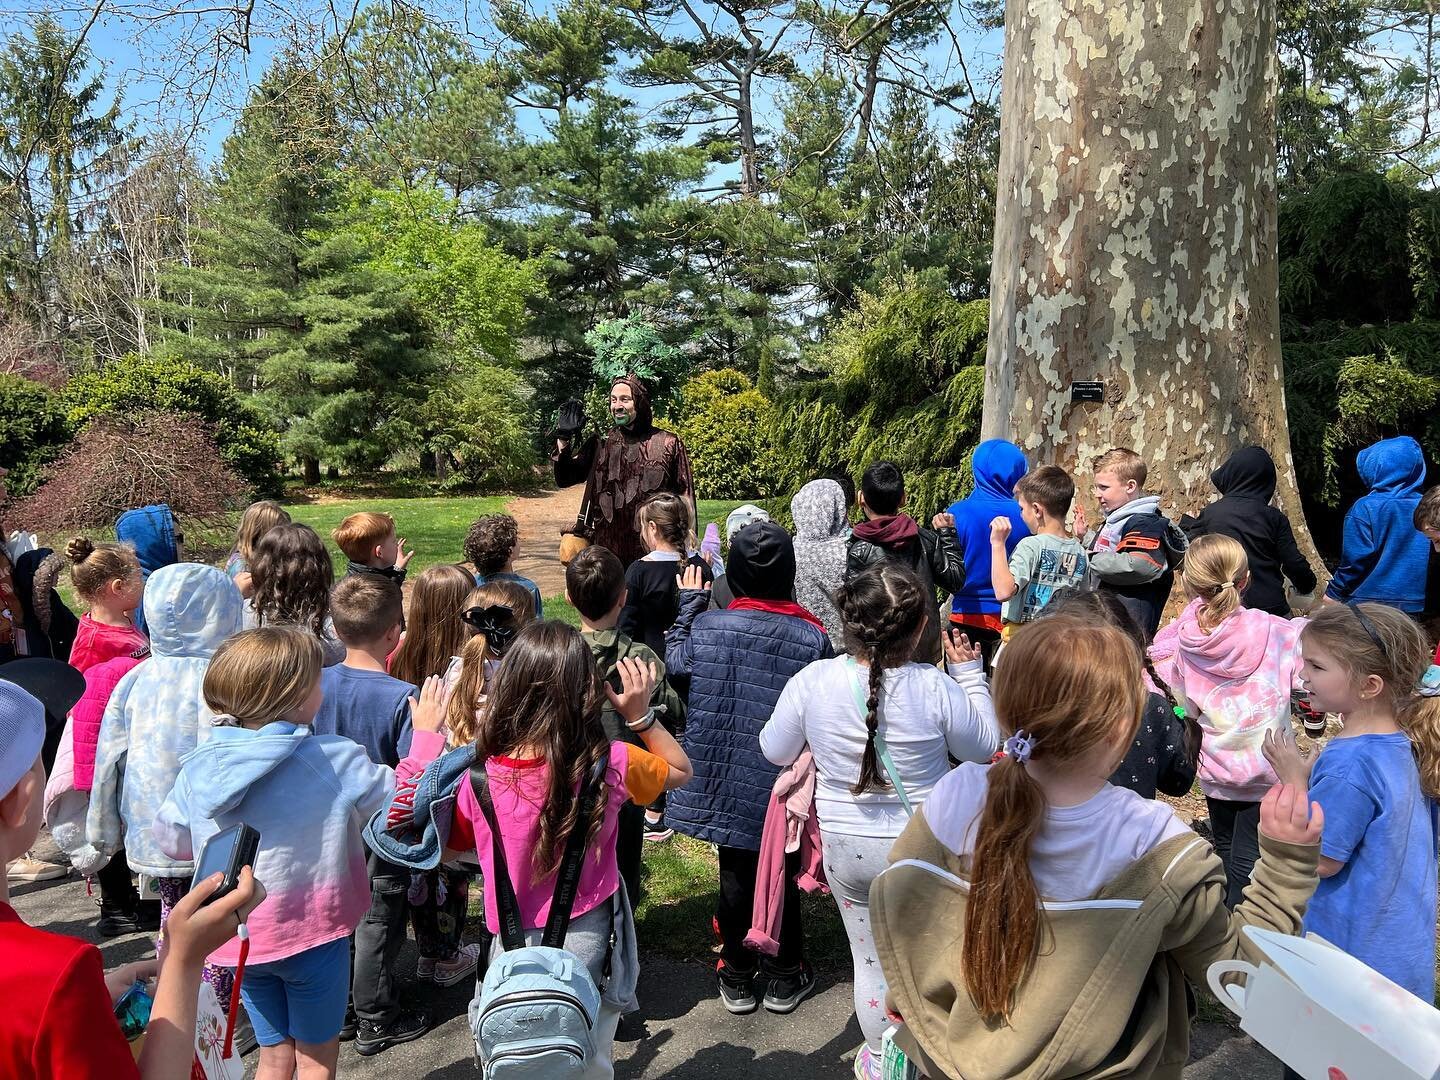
[(1087, 391)]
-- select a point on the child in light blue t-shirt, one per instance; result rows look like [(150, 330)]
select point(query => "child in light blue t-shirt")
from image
[(1375, 782), (1047, 560)]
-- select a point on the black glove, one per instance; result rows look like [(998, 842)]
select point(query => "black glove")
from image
[(569, 420)]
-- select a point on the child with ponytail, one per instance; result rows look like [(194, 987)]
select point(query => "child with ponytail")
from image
[(844, 709), (1036, 920), (493, 614), (1377, 780), (1232, 668)]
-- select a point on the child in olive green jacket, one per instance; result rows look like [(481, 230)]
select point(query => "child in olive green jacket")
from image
[(1082, 907)]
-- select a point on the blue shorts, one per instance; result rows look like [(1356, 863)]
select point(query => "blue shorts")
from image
[(301, 997)]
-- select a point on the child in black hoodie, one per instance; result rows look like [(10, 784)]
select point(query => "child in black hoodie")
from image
[(1246, 483)]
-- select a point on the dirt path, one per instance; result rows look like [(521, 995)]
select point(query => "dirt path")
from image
[(540, 518)]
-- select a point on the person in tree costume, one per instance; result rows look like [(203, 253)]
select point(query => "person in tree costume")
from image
[(621, 468)]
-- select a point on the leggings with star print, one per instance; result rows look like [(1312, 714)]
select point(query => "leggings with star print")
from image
[(851, 864)]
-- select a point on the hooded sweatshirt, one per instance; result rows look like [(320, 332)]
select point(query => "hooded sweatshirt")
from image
[(157, 713), (1246, 483), (150, 530), (822, 537), (1236, 681), (1134, 555), (1383, 557), (1107, 996), (308, 796), (996, 466)]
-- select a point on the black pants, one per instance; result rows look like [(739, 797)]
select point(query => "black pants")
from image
[(1236, 828), (117, 889), (376, 943), (629, 848), (733, 913), (988, 640)]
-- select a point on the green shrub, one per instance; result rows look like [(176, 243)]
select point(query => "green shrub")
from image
[(248, 444), (478, 419), (33, 431), (907, 386), (725, 423)]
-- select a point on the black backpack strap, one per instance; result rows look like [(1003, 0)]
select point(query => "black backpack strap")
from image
[(512, 927), (567, 882)]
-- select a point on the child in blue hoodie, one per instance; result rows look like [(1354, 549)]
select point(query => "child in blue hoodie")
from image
[(1383, 558), (307, 796), (996, 466), (152, 532)]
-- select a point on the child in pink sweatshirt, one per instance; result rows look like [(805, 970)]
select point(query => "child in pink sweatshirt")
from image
[(1233, 668)]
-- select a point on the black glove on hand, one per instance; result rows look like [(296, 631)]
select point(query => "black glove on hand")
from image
[(569, 420)]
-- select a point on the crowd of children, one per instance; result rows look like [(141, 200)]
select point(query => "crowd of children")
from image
[(956, 729)]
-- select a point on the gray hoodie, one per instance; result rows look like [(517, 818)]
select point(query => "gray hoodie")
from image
[(821, 539)]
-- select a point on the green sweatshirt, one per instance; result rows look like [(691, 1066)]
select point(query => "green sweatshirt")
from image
[(1106, 996), (609, 647)]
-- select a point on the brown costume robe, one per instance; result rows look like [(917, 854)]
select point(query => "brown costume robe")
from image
[(621, 469)]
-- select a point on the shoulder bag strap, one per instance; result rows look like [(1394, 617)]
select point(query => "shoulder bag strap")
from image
[(881, 749), (567, 881), (512, 927)]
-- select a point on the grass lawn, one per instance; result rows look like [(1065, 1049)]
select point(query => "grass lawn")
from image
[(434, 528)]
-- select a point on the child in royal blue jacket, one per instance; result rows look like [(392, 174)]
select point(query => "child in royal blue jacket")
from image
[(1382, 557)]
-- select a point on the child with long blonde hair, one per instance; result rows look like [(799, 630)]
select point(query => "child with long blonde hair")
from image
[(1378, 780), (434, 631), (1081, 908), (493, 614), (307, 796), (1232, 668), (257, 520)]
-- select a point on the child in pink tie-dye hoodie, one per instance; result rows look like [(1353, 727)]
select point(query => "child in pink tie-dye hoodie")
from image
[(1233, 668)]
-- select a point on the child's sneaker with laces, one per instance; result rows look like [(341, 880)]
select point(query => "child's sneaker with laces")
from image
[(787, 990), (458, 968), (736, 992)]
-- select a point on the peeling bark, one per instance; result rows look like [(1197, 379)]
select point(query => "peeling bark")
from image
[(1135, 240)]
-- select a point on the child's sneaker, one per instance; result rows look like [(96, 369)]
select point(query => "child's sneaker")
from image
[(656, 831), (736, 993), (372, 1038), (787, 991), (458, 968)]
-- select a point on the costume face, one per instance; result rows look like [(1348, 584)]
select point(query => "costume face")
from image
[(622, 405)]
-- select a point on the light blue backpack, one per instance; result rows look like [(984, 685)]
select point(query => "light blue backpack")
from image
[(535, 1013)]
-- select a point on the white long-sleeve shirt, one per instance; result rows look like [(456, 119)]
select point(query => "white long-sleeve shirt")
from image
[(926, 717)]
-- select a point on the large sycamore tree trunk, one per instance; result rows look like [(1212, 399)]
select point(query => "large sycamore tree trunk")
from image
[(1135, 241)]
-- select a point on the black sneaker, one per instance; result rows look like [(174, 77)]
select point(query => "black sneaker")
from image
[(371, 1038), (147, 915), (736, 993), (788, 990), (347, 1029), (116, 921)]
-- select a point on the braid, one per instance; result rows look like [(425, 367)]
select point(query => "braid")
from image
[(881, 609), (1193, 734)]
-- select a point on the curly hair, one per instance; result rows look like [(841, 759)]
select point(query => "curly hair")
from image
[(292, 575), (881, 609), (490, 543)]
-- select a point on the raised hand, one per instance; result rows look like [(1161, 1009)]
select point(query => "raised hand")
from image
[(999, 529), (692, 579), (402, 559), (637, 682), (1288, 815), (943, 521), (1082, 521), (959, 649), (1283, 754), (427, 712)]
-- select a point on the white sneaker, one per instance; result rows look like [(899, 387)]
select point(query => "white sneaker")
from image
[(29, 868), (458, 968)]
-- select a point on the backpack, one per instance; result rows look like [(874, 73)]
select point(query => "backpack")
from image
[(533, 1016)]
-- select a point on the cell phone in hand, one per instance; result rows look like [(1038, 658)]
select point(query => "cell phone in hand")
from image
[(228, 852)]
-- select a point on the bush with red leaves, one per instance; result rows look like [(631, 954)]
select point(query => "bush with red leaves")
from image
[(119, 462)]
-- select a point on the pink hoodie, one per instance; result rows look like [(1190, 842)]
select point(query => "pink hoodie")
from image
[(1236, 680)]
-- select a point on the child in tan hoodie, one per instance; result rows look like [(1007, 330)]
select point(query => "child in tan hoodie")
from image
[(1081, 907)]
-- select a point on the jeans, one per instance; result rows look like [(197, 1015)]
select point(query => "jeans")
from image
[(735, 909), (377, 940), (1236, 828)]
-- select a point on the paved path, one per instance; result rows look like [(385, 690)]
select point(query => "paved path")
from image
[(684, 1034), (540, 517)]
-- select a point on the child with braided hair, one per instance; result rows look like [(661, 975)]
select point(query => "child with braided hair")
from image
[(1233, 668), (881, 729)]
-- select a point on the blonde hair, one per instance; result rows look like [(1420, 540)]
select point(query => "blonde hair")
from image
[(1124, 463), (94, 566), (1214, 572), (359, 533), (258, 519), (461, 715), (257, 676), (1069, 685), (1372, 639)]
